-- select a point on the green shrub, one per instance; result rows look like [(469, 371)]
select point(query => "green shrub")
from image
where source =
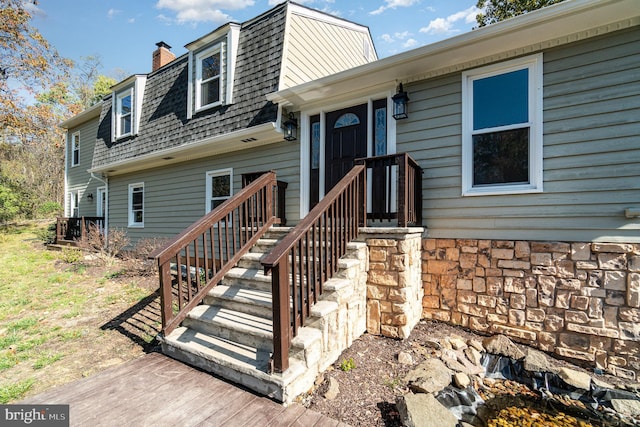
[(71, 255), (48, 234), (49, 209)]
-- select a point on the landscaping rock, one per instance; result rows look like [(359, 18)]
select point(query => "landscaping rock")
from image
[(423, 410), (502, 345), (473, 355), (430, 376), (536, 361), (333, 390), (626, 407), (477, 344), (461, 380), (405, 358), (577, 379), (457, 343)]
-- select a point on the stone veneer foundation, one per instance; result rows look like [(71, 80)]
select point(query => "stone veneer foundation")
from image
[(578, 300)]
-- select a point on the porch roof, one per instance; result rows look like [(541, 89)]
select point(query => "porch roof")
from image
[(551, 26)]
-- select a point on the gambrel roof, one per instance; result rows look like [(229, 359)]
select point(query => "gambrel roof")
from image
[(164, 123)]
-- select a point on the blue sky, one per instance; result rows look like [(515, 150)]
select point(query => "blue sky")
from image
[(124, 32)]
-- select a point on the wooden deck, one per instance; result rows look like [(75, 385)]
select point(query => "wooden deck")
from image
[(156, 390)]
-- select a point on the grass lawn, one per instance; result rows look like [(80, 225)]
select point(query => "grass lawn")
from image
[(63, 317)]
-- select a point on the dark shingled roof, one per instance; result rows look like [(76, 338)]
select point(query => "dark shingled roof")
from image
[(164, 122)]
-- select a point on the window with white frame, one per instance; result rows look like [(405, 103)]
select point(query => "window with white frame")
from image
[(136, 205), (75, 149), (208, 78), (502, 128), (124, 113), (219, 188), (74, 204)]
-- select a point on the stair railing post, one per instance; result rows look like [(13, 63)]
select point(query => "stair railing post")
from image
[(281, 317), (166, 298)]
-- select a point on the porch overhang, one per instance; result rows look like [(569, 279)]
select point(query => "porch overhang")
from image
[(535, 31), (255, 136)]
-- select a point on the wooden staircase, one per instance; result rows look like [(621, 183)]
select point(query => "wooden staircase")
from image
[(231, 333)]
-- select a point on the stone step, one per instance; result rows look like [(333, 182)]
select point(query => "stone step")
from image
[(251, 260), (243, 328), (241, 364), (246, 300), (248, 278)]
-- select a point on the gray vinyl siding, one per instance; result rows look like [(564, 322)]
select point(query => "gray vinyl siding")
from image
[(174, 196), (591, 150), (78, 179)]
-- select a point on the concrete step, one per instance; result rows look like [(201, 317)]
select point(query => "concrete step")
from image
[(243, 328), (246, 300), (251, 260), (241, 364)]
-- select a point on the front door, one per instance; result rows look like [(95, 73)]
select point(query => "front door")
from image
[(346, 140)]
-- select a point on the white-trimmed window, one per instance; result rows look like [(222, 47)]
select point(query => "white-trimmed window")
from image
[(219, 188), (209, 78), (75, 149), (124, 113), (502, 128), (74, 204), (136, 204)]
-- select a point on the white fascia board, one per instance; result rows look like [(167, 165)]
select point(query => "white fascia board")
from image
[(242, 139), (554, 25), (86, 115)]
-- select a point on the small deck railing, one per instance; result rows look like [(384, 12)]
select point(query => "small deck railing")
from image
[(308, 256), (73, 229), (396, 189), (200, 256)]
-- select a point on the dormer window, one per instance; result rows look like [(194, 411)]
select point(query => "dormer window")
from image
[(212, 61), (124, 113), (208, 78), (127, 106)]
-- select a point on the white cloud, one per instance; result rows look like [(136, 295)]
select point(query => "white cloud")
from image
[(113, 12), (446, 25), (403, 35), (387, 38), (194, 11), (410, 43), (131, 20), (392, 4)]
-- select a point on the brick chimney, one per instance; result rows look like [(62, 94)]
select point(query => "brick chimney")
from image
[(162, 56)]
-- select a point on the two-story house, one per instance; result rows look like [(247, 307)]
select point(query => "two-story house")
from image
[(514, 145)]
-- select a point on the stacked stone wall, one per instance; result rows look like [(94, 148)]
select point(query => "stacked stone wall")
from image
[(578, 300), (394, 286)]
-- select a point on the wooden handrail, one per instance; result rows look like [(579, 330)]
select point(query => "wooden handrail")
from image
[(308, 256), (75, 228), (202, 254)]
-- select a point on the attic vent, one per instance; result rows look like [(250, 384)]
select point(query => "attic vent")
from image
[(249, 139)]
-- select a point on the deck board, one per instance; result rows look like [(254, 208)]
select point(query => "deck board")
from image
[(155, 390)]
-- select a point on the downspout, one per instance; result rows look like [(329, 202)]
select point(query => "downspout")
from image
[(106, 207), (66, 172)]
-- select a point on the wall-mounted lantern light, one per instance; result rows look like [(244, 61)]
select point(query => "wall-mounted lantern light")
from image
[(90, 197), (400, 102), (291, 128)]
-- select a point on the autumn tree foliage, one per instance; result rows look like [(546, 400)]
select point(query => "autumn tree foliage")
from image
[(499, 10), (38, 90)]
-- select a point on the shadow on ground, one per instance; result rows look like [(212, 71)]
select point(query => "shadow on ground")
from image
[(140, 323)]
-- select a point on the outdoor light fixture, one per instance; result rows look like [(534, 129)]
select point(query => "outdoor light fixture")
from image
[(400, 101), (291, 128), (90, 197)]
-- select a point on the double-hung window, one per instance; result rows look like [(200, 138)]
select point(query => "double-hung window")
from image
[(502, 128), (136, 205), (218, 188), (75, 149), (124, 113), (208, 78)]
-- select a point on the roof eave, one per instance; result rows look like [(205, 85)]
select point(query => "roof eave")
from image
[(84, 116), (243, 139), (516, 35)]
